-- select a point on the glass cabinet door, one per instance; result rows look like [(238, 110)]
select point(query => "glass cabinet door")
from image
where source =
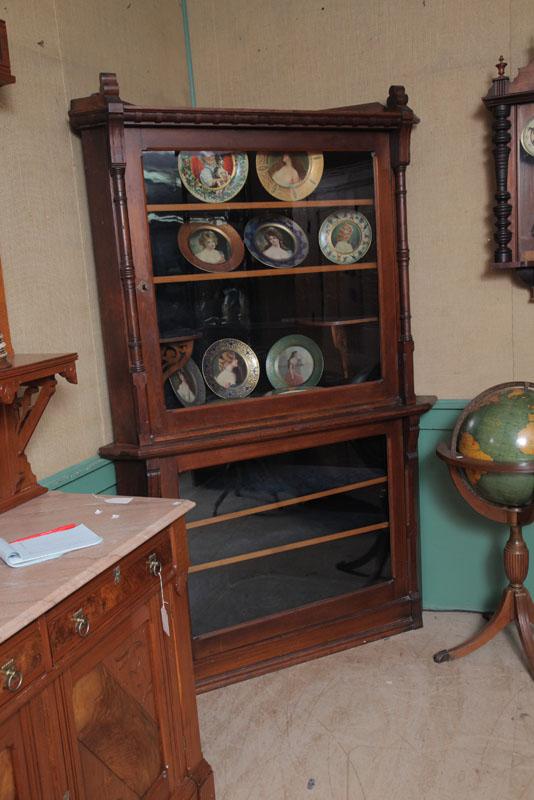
[(265, 271), (278, 532)]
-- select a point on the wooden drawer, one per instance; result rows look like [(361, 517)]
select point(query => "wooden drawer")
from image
[(22, 660), (86, 611)]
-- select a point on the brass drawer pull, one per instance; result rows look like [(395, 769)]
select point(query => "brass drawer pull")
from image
[(81, 623), (154, 566), (13, 677)]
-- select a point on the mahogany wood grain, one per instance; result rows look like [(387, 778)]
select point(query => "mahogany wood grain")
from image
[(115, 713), (354, 201), (284, 548), (265, 273), (153, 445), (284, 503)]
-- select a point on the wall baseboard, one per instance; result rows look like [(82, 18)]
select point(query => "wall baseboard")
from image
[(94, 476)]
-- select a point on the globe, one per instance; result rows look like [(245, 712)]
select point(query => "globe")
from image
[(498, 425)]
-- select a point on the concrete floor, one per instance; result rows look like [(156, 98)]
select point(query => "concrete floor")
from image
[(380, 722)]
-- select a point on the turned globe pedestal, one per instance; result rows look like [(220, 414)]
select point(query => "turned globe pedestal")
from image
[(516, 604)]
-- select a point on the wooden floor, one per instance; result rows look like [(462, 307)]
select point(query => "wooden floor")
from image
[(380, 722)]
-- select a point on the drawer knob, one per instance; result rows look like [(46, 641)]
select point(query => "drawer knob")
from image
[(154, 565), (81, 623), (13, 677)]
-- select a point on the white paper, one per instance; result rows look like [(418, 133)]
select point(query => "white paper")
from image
[(46, 546)]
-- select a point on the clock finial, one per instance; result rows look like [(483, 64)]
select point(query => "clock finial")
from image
[(501, 66)]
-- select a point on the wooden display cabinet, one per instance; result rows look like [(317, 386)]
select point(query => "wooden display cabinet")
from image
[(303, 540)]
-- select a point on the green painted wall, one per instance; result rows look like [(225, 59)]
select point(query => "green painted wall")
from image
[(461, 553)]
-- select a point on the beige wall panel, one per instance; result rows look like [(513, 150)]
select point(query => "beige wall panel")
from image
[(339, 52), (57, 50)]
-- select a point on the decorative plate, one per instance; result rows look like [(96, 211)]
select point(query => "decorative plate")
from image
[(188, 385), (211, 247), (213, 177), (527, 137), (294, 361), (289, 176), (276, 241), (230, 368), (345, 237)]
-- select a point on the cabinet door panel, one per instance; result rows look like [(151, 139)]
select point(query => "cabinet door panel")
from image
[(118, 707), (14, 782)]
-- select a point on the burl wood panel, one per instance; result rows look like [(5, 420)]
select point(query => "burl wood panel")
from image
[(113, 727), (7, 778)]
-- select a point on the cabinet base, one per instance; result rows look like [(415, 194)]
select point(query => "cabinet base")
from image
[(278, 652)]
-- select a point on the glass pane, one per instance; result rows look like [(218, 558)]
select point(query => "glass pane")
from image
[(294, 280), (270, 534)]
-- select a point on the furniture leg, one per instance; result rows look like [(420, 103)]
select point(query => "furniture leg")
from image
[(504, 614)]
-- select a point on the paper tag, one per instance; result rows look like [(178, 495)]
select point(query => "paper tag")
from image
[(165, 620), (164, 615)]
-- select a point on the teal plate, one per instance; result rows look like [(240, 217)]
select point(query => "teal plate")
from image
[(294, 361)]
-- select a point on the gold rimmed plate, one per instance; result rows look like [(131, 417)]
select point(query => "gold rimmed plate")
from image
[(211, 247), (290, 176), (231, 369)]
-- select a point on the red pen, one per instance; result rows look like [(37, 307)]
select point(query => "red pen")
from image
[(44, 533)]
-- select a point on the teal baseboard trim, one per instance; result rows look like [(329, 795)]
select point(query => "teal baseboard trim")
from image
[(94, 476), (443, 415)]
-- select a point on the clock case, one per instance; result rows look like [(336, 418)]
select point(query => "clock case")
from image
[(512, 106)]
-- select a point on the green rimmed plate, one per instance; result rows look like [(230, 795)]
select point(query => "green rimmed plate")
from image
[(294, 361)]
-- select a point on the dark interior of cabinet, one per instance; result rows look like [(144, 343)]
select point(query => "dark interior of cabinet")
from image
[(262, 311), (274, 533)]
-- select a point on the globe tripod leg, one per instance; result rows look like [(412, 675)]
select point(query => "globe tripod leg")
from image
[(523, 604), (504, 614)]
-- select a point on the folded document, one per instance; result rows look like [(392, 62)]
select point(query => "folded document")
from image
[(43, 547)]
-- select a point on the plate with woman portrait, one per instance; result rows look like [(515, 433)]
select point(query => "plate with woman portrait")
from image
[(294, 361), (276, 241), (345, 237), (213, 177), (289, 176), (211, 247), (230, 368), (188, 385)]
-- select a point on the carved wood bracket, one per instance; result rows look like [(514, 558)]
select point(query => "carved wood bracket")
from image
[(26, 387)]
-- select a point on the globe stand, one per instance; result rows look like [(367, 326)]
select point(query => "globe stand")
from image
[(516, 603)]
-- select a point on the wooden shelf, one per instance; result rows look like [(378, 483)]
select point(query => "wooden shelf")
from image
[(354, 201), (284, 503), (260, 273), (379, 526)]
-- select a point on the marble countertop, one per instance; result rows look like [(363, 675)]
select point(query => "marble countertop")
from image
[(28, 592)]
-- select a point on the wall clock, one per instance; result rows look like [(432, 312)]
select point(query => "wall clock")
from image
[(512, 105)]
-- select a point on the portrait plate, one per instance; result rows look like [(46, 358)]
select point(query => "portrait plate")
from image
[(276, 241), (230, 368), (289, 176), (345, 237), (213, 177), (211, 247), (294, 361), (188, 385)]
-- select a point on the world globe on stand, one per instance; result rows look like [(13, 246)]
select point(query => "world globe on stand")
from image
[(498, 425)]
